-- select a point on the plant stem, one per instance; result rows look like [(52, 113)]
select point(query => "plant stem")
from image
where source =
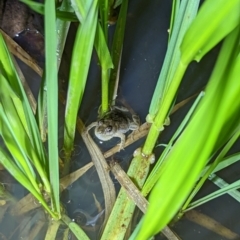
[(80, 63), (105, 81), (209, 171), (116, 51), (156, 171), (104, 11), (123, 209), (78, 232), (159, 120)]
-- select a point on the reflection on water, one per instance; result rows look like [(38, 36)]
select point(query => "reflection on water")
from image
[(32, 41)]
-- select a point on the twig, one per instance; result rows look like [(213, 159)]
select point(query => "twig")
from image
[(16, 50), (133, 192), (135, 195), (133, 137), (211, 224), (102, 169)]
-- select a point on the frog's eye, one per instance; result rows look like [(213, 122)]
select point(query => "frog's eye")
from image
[(109, 128)]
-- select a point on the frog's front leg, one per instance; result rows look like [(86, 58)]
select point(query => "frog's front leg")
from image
[(122, 137), (135, 124)]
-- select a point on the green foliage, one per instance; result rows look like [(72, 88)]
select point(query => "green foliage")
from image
[(51, 74), (189, 39), (81, 57), (40, 8), (156, 171), (221, 94), (105, 62), (213, 29), (104, 8), (20, 133), (78, 232), (211, 169), (181, 20), (123, 209), (116, 51)]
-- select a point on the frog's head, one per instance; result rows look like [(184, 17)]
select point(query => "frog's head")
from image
[(105, 130)]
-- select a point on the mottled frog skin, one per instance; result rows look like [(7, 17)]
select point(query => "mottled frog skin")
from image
[(115, 124)]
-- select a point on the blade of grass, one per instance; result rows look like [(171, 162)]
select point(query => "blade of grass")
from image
[(52, 230), (9, 72), (123, 209), (227, 162), (102, 170), (77, 231), (14, 170), (106, 63), (219, 106), (52, 99), (190, 52), (116, 50), (175, 9), (221, 184), (226, 17), (224, 190), (81, 57), (100, 44), (117, 3), (211, 168), (25, 204), (104, 12), (17, 51), (62, 28), (186, 14), (61, 32), (155, 173), (211, 225), (63, 14), (16, 135)]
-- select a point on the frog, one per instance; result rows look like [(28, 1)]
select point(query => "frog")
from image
[(115, 123)]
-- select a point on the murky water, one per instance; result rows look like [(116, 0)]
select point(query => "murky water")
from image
[(144, 49)]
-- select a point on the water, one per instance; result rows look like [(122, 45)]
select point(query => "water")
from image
[(144, 50)]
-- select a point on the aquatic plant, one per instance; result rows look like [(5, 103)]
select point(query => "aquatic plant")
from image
[(192, 34)]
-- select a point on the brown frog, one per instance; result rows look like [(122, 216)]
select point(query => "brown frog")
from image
[(115, 123)]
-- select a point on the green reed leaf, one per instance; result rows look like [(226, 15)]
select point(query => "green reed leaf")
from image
[(22, 179), (104, 13), (211, 168), (185, 15), (51, 74), (78, 232), (39, 8), (81, 57), (216, 19), (219, 111), (116, 51), (9, 72)]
